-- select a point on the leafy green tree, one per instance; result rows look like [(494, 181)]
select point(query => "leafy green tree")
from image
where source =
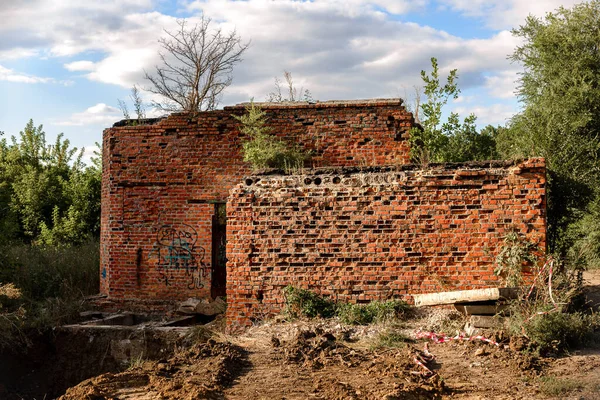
[(451, 140), (47, 195), (560, 92)]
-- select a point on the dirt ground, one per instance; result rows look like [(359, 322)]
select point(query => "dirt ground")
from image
[(328, 360)]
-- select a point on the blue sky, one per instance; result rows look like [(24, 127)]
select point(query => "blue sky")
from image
[(65, 63)]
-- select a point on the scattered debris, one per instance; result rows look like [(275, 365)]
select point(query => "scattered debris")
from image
[(203, 307)]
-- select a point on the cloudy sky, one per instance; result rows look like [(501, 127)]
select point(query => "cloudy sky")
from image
[(65, 63)]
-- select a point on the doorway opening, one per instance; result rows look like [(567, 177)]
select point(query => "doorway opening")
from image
[(219, 255)]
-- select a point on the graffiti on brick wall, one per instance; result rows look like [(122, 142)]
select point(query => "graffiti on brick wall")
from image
[(176, 249)]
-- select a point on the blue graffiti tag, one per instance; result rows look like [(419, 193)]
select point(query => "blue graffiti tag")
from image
[(176, 250)]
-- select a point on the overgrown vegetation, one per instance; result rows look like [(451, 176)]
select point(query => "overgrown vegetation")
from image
[(263, 149), (373, 312), (390, 338), (49, 226), (549, 316), (305, 303), (46, 287), (560, 121), (289, 93)]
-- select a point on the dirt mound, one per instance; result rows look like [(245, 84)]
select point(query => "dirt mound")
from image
[(201, 372), (316, 349), (404, 377)]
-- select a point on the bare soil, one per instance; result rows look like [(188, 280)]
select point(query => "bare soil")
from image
[(328, 360)]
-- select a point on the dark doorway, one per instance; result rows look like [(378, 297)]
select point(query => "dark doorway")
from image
[(219, 255)]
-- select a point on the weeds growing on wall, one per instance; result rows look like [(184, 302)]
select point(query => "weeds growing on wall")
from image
[(515, 253), (264, 150), (305, 303)]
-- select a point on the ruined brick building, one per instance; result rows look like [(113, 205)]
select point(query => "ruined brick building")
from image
[(183, 216)]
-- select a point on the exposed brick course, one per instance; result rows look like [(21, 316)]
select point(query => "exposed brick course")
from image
[(376, 233), (161, 182)]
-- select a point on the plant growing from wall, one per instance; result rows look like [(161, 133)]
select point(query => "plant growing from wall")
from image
[(263, 149), (288, 93), (514, 254)]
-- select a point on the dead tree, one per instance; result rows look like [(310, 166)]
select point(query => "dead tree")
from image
[(197, 65)]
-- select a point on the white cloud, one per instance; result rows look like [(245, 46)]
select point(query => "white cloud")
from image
[(337, 49), (99, 114), (503, 84), (80, 66), (504, 14), (494, 114), (10, 75), (89, 152)]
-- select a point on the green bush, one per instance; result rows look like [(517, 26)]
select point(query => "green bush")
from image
[(515, 252), (375, 311), (47, 194), (304, 303)]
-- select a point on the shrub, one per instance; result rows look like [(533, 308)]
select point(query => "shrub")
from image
[(44, 287), (375, 311), (547, 316), (558, 331), (304, 303)]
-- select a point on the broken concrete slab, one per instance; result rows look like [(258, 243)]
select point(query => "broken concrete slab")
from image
[(195, 306), (486, 322), (465, 296)]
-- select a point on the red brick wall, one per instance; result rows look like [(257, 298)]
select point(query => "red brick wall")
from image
[(379, 233), (160, 182)]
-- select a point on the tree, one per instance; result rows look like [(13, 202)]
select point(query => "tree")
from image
[(452, 140), (264, 150), (293, 94), (197, 65), (47, 195), (560, 92)]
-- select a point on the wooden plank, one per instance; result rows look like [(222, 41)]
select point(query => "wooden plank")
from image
[(465, 296)]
